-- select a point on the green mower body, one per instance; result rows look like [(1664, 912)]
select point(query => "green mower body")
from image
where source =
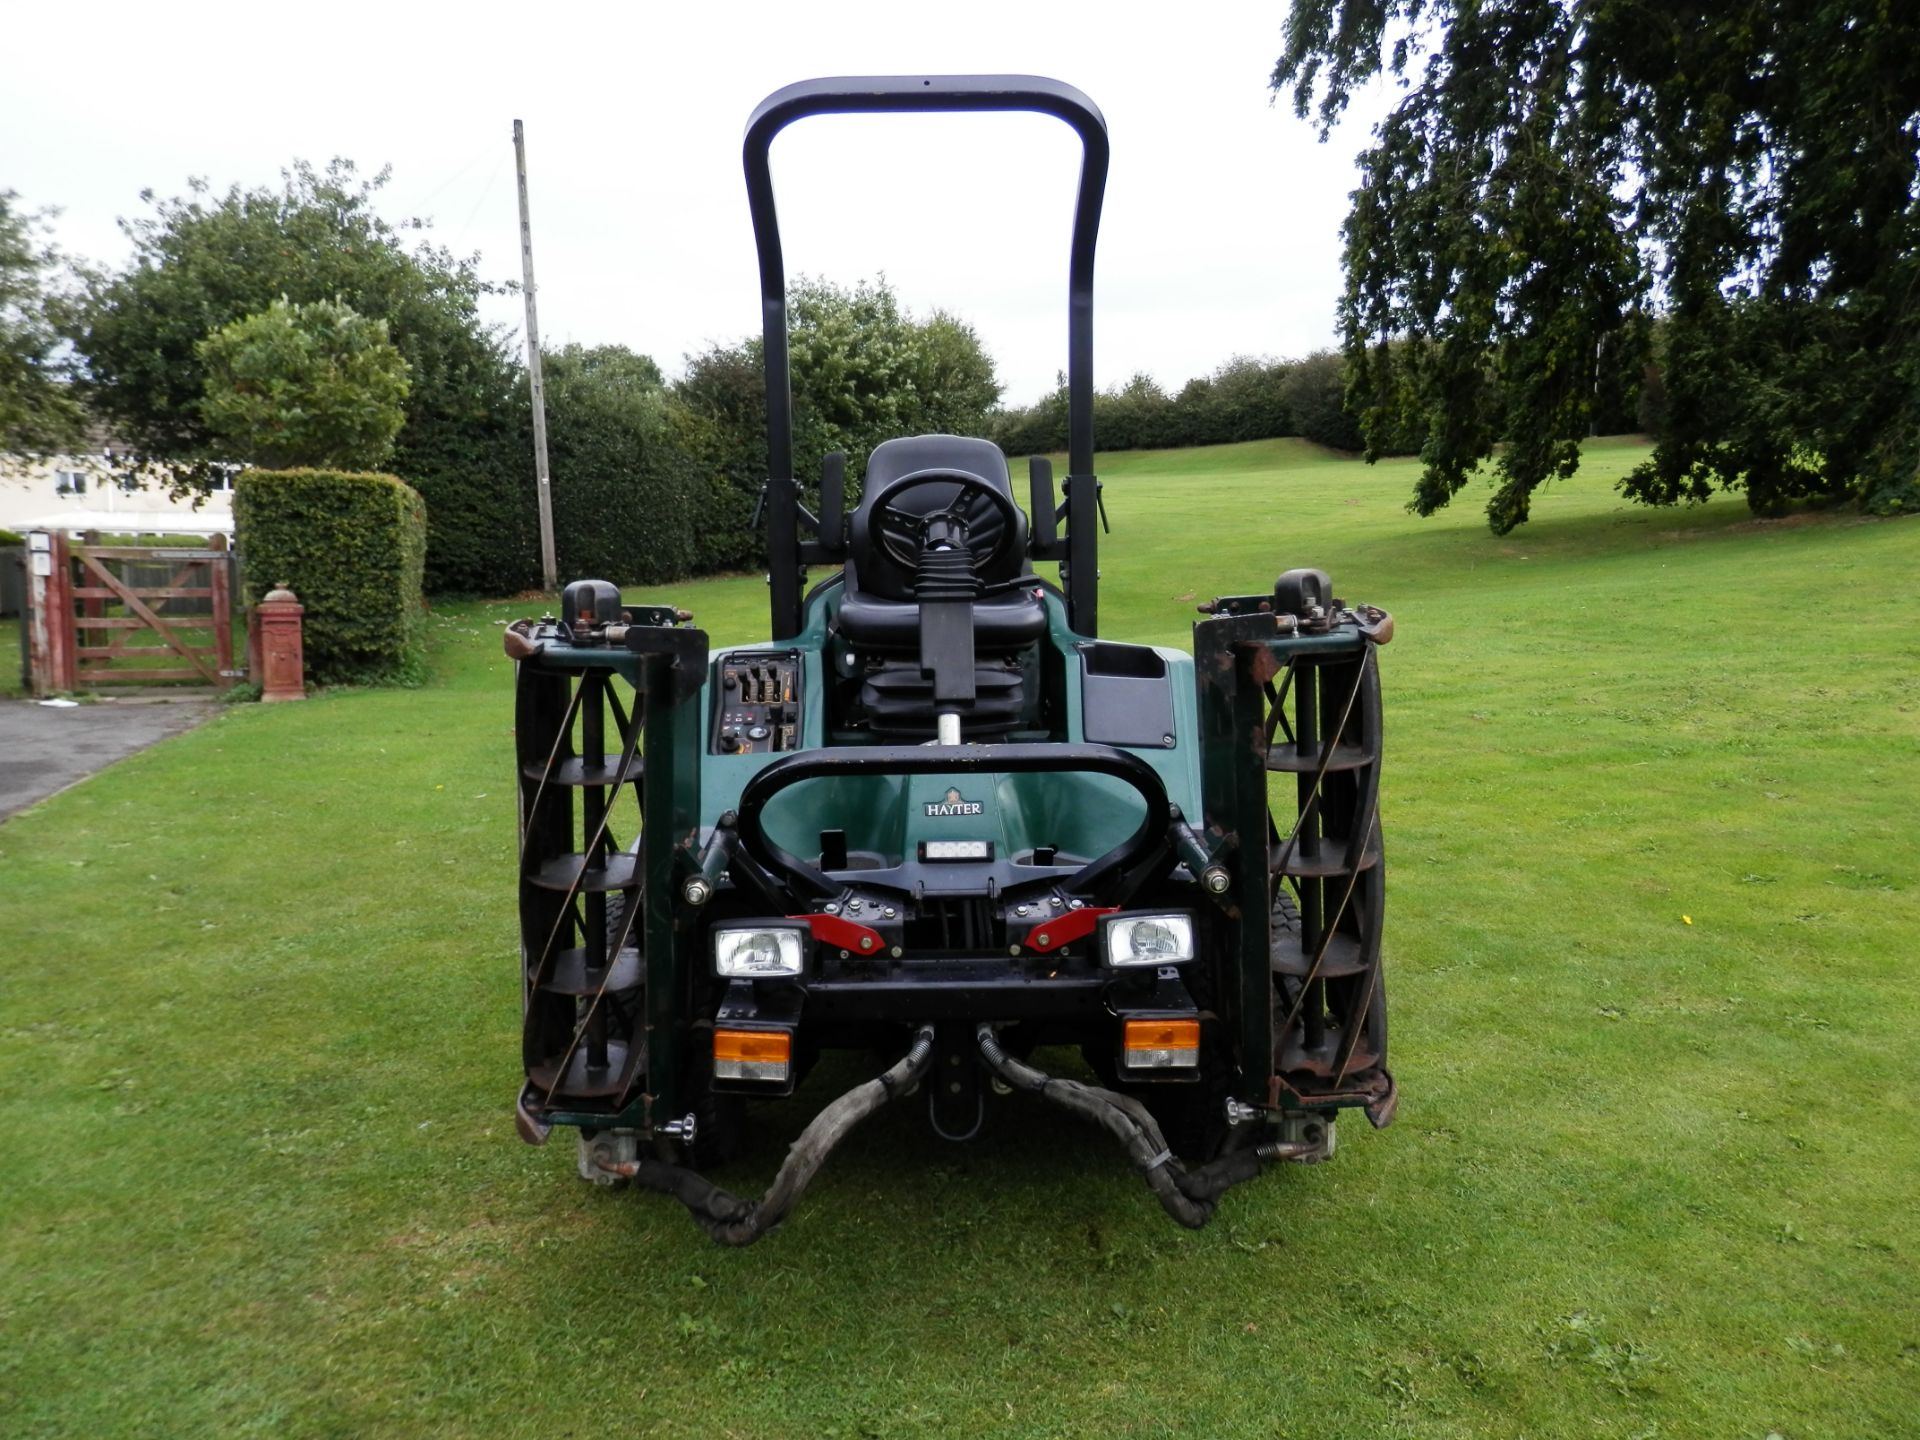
[(936, 819)]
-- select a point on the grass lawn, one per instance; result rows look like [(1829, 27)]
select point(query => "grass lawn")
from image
[(10, 681), (1651, 809)]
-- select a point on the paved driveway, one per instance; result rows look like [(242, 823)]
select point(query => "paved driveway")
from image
[(44, 750)]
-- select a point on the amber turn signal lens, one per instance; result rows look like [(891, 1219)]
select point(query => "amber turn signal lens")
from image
[(762, 1046), (1163, 1035), (752, 1054)]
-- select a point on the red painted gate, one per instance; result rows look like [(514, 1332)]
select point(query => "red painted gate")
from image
[(128, 614)]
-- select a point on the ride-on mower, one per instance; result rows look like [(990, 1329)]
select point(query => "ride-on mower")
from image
[(937, 819)]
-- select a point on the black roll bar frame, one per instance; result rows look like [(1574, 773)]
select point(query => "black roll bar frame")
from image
[(927, 94)]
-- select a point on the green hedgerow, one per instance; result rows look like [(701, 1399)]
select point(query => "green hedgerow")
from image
[(353, 548)]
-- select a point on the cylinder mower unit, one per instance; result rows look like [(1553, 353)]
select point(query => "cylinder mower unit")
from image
[(936, 818)]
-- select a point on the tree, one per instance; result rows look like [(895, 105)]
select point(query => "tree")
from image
[(1316, 400), (628, 494), (206, 259), (315, 385), (38, 407), (864, 370), (1559, 171)]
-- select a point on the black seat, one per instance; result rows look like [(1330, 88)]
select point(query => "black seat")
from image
[(879, 610)]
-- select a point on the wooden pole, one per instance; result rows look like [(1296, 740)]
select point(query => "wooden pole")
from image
[(549, 567)]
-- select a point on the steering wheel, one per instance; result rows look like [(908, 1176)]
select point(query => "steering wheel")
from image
[(992, 527)]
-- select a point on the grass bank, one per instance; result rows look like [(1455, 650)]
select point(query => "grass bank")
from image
[(1655, 883)]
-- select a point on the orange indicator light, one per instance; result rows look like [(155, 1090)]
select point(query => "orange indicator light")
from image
[(754, 1047), (1163, 1035)]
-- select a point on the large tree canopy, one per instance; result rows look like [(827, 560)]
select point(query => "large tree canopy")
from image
[(205, 259), (1556, 172), (38, 410), (864, 370)]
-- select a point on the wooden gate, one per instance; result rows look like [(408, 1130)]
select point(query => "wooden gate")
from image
[(129, 614)]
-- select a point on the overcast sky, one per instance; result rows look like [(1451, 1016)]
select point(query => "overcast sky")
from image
[(1221, 231)]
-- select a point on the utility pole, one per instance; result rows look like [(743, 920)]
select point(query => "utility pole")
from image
[(549, 568)]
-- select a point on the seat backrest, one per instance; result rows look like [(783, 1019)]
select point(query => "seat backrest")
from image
[(868, 568)]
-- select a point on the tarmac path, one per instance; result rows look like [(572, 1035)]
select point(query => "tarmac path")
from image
[(44, 750)]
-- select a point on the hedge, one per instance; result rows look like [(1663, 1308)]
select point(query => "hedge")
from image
[(475, 471), (353, 548)]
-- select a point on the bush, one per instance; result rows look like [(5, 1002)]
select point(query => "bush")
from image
[(1245, 399), (475, 471), (295, 385), (626, 491), (864, 371), (208, 258), (1316, 395), (7, 537), (353, 548)]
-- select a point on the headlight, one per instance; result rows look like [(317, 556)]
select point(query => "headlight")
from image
[(1149, 939), (757, 951)]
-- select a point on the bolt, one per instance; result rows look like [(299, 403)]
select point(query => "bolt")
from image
[(831, 908), (1076, 904), (888, 912), (853, 906), (1041, 938), (1054, 902), (1217, 880), (697, 891), (844, 955), (1020, 909), (866, 942), (1167, 740), (1013, 950), (896, 952)]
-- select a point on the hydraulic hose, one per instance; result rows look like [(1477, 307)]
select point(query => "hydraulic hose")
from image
[(1189, 1195), (734, 1221)]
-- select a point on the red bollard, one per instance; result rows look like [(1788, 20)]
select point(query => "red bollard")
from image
[(282, 661)]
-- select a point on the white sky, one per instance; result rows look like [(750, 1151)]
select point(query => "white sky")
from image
[(1220, 236)]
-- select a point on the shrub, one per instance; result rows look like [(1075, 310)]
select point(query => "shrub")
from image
[(1245, 399), (353, 548), (7, 537), (626, 492), (1316, 396), (295, 385), (475, 471), (864, 371)]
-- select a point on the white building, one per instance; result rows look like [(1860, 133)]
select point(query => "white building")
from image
[(76, 493)]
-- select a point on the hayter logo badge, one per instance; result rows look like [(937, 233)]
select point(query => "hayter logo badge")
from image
[(953, 805)]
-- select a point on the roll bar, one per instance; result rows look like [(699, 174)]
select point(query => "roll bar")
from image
[(926, 94)]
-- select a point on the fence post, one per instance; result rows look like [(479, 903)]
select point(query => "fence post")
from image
[(50, 597), (217, 577)]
